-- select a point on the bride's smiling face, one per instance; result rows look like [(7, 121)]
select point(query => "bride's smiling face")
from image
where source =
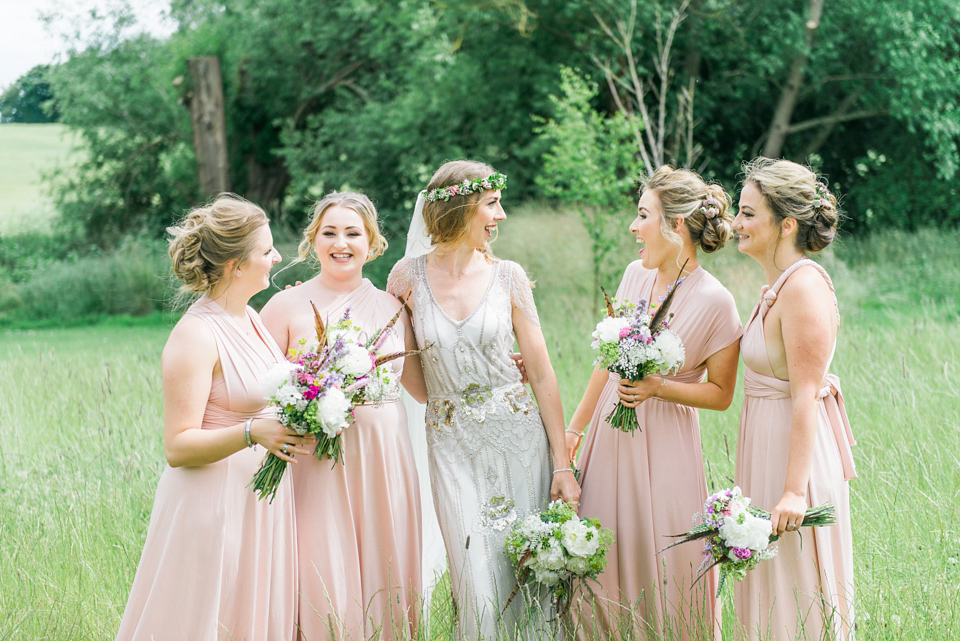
[(483, 226), (341, 243)]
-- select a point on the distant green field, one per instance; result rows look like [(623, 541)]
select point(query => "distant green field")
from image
[(27, 153)]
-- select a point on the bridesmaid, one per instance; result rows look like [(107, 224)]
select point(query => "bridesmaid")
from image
[(217, 563), (358, 522), (793, 449), (648, 484)]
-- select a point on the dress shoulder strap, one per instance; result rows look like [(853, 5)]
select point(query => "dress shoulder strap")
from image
[(769, 293)]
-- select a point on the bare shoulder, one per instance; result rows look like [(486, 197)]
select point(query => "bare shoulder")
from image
[(190, 342), (806, 286)]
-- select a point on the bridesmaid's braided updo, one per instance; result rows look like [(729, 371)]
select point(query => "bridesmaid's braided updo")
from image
[(704, 208), (793, 191), (209, 237)]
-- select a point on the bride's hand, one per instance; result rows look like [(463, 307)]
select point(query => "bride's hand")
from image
[(518, 361), (565, 487), (632, 393)]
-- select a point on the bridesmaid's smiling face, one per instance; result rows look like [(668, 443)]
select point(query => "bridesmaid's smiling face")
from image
[(257, 265), (342, 244), (654, 248), (754, 225)]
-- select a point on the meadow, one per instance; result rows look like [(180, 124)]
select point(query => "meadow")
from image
[(81, 439), (27, 153)]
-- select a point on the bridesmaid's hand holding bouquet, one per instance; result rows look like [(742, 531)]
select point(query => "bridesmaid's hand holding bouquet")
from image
[(316, 394), (634, 341)]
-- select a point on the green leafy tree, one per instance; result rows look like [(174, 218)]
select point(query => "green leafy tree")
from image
[(592, 165), (29, 98)]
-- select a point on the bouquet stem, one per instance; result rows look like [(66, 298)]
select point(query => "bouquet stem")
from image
[(623, 418), (267, 479)]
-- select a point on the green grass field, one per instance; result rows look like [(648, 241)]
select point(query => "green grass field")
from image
[(81, 431), (27, 152)]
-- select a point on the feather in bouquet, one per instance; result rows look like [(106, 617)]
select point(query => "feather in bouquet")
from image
[(635, 340), (555, 548), (316, 393), (738, 535)]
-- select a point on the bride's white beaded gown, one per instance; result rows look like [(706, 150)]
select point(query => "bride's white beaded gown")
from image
[(488, 452)]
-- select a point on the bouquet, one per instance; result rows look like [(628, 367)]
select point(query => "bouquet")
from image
[(555, 548), (317, 392), (738, 535), (635, 340)]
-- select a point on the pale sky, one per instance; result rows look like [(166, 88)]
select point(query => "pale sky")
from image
[(25, 41)]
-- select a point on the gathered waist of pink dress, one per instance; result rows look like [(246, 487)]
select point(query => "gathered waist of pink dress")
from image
[(690, 376), (756, 385), (216, 417)]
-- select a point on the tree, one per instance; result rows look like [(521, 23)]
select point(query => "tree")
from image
[(591, 165), (29, 98)]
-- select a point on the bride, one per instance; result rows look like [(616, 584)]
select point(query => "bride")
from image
[(490, 447)]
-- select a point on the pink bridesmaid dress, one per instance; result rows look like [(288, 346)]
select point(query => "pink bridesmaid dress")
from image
[(218, 564), (358, 522), (648, 485), (806, 591)]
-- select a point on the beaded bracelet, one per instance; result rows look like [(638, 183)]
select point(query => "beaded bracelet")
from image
[(246, 431), (579, 434), (562, 469)]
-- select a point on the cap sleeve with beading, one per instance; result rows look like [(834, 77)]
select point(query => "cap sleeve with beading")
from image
[(521, 291), (400, 279)]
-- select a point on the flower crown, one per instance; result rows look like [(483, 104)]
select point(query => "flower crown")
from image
[(823, 196), (710, 207), (493, 181)]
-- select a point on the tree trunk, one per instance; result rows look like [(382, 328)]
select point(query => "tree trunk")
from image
[(777, 133), (209, 126)]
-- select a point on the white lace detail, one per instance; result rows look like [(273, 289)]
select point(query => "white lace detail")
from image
[(521, 291), (401, 278)]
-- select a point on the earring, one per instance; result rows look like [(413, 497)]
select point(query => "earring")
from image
[(238, 273)]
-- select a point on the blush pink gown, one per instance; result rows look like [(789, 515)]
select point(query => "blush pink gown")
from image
[(218, 564), (649, 484), (805, 592), (358, 522)]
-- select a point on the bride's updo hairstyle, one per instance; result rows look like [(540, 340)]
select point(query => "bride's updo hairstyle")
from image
[(794, 191), (211, 236), (349, 200), (704, 208), (447, 220)]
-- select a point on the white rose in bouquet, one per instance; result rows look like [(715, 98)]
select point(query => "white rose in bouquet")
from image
[(577, 539), (332, 410), (578, 564), (608, 330), (552, 557), (355, 361), (744, 530), (671, 350), (548, 578), (276, 377)]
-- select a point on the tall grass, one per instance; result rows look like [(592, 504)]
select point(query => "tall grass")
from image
[(81, 451)]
